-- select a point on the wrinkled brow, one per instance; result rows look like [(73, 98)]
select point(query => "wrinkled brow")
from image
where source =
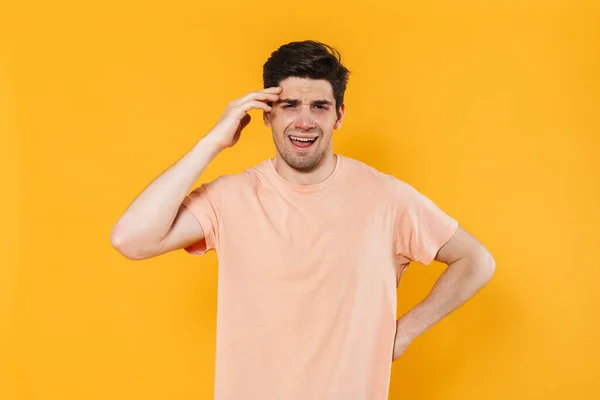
[(296, 102)]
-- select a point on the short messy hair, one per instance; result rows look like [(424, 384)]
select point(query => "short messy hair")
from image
[(307, 59)]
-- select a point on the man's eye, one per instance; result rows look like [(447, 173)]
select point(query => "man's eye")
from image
[(318, 106)]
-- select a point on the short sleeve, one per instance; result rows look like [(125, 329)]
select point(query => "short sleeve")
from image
[(204, 204), (421, 228)]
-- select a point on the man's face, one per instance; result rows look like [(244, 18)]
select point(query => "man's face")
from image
[(305, 110)]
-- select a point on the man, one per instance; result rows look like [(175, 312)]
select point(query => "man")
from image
[(311, 244)]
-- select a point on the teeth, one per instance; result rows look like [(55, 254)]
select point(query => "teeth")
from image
[(302, 139)]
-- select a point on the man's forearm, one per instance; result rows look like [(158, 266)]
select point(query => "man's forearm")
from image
[(458, 283), (150, 216)]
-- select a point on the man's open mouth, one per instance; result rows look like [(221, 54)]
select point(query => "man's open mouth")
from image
[(302, 142)]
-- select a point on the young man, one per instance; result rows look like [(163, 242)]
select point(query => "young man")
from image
[(311, 244)]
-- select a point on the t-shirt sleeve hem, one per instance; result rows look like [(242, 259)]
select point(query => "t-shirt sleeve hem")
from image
[(197, 249), (444, 236)]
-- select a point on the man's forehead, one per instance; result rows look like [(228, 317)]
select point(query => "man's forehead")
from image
[(306, 90)]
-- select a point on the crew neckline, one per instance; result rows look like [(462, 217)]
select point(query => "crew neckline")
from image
[(306, 188)]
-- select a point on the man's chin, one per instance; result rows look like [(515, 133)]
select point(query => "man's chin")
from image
[(303, 162)]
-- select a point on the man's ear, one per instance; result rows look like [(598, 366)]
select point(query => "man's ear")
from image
[(267, 119), (340, 117)]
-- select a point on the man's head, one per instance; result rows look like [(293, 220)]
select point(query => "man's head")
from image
[(311, 104)]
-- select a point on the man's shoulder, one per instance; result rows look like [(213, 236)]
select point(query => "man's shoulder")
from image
[(365, 174), (233, 180), (248, 177)]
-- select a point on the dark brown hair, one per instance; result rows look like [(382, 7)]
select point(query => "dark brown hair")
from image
[(307, 59)]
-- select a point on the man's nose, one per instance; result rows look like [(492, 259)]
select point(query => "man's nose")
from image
[(304, 120)]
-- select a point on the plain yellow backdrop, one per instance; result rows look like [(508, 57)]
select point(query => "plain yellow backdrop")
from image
[(491, 109)]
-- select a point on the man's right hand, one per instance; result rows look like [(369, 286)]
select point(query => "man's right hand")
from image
[(227, 131)]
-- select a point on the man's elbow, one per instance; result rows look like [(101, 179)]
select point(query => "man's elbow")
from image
[(124, 246), (484, 265)]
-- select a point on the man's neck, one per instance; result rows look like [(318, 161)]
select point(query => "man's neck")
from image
[(313, 177)]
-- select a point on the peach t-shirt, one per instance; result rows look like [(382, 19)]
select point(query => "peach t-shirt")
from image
[(307, 278)]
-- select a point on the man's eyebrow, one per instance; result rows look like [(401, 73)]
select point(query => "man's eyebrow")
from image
[(296, 101)]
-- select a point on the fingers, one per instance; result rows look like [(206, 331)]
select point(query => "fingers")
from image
[(255, 100), (274, 89), (269, 94), (250, 104), (261, 96)]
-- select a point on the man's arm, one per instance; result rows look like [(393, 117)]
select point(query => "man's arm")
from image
[(470, 267), (155, 222)]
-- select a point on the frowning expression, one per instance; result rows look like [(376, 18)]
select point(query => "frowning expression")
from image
[(302, 121)]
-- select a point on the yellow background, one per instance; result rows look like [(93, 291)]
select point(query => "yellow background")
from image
[(491, 110)]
